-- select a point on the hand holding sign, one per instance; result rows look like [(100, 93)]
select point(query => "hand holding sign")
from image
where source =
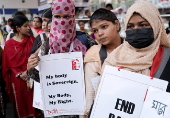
[(33, 61)]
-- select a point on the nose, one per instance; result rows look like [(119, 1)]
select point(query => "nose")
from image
[(100, 32), (136, 27)]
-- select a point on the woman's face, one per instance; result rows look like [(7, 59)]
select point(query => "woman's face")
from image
[(106, 32), (44, 24), (37, 23), (24, 29), (137, 22)]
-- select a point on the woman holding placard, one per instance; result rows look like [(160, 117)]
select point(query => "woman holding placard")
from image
[(146, 47), (106, 27)]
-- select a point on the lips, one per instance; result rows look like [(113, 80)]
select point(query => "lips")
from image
[(102, 39)]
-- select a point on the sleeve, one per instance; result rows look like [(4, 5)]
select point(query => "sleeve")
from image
[(91, 71), (36, 45)]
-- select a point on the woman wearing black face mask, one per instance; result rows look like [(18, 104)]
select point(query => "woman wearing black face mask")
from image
[(146, 47)]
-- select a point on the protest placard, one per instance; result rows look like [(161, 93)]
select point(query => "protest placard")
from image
[(156, 105), (37, 99), (121, 93), (62, 82)]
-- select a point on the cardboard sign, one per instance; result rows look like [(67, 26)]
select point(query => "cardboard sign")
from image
[(62, 82), (121, 93), (156, 105), (37, 99)]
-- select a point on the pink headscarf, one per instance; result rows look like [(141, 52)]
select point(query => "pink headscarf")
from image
[(63, 31)]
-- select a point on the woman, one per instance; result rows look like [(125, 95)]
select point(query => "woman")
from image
[(146, 47), (106, 27), (15, 58), (62, 35), (12, 34), (37, 25)]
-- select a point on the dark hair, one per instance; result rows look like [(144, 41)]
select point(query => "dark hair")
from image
[(18, 13), (47, 13), (109, 5), (17, 21), (103, 14), (80, 21), (40, 19), (48, 22), (87, 11)]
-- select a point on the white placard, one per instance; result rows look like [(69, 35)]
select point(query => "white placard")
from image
[(37, 99), (95, 82), (156, 105), (62, 82), (121, 93)]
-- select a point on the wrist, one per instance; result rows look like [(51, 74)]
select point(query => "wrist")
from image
[(18, 74)]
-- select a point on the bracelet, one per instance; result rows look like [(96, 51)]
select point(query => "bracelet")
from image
[(29, 75), (18, 75)]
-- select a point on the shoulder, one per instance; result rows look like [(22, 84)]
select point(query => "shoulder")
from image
[(92, 54)]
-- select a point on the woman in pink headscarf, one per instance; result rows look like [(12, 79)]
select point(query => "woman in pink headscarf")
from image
[(62, 36), (63, 28)]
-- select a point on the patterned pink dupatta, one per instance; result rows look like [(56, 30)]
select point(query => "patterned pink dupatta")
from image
[(63, 30)]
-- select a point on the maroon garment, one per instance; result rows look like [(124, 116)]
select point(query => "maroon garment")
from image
[(15, 58)]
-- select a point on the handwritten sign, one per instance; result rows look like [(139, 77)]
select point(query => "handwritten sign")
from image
[(156, 105), (37, 100), (121, 93), (62, 82)]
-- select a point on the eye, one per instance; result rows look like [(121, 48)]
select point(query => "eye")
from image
[(143, 25), (105, 26), (95, 31), (130, 27), (57, 16), (66, 17)]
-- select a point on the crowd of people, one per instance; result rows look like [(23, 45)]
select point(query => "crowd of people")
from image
[(144, 50)]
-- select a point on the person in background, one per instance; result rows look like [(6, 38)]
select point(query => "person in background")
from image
[(146, 47), (120, 15), (12, 34), (106, 27), (37, 25), (82, 25), (87, 14), (46, 17), (14, 67), (109, 6)]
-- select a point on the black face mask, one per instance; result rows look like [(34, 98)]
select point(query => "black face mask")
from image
[(140, 38)]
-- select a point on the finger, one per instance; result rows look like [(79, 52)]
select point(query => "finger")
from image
[(37, 51), (33, 59)]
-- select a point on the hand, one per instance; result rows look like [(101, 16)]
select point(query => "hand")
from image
[(33, 61), (24, 76)]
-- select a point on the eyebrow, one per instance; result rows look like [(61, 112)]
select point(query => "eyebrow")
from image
[(139, 22), (100, 25)]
